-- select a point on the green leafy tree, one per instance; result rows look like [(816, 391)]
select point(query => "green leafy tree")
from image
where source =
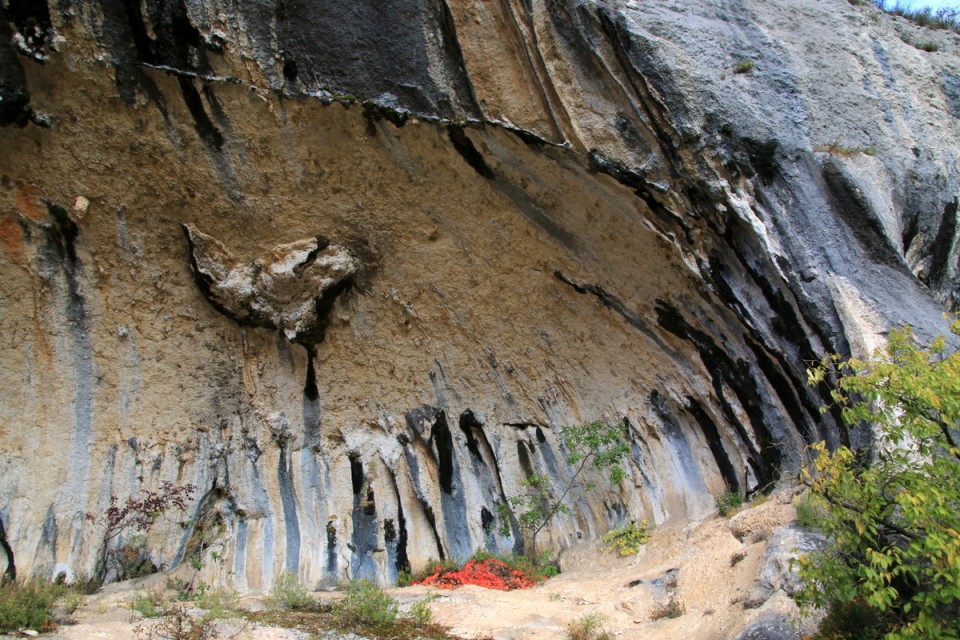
[(596, 445), (892, 568)]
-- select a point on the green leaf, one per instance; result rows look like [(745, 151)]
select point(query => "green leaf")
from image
[(893, 516)]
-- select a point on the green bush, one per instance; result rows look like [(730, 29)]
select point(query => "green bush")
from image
[(366, 605), (892, 518), (544, 564), (854, 619), (288, 593), (420, 613), (71, 600), (186, 590), (728, 502), (627, 539), (550, 570), (744, 66), (28, 605), (149, 604), (219, 603)]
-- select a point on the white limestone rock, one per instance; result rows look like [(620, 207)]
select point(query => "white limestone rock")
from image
[(290, 288)]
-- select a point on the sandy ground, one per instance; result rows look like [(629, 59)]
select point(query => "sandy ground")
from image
[(705, 569)]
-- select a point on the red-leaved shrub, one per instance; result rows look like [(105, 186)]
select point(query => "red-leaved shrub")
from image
[(489, 573)]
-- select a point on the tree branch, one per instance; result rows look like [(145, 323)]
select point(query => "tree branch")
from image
[(559, 502), (852, 507)]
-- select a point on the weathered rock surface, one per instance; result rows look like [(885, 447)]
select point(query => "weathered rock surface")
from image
[(292, 288), (773, 627), (550, 212), (779, 570), (692, 563)]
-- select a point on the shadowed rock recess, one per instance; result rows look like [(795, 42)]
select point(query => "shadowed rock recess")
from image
[(350, 266)]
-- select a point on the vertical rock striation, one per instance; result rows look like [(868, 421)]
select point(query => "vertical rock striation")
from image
[(540, 214)]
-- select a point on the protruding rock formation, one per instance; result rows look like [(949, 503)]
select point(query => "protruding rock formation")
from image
[(292, 288)]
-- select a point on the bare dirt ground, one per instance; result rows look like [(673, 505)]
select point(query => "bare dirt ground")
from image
[(693, 582)]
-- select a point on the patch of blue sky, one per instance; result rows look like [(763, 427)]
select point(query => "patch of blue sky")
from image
[(933, 4)]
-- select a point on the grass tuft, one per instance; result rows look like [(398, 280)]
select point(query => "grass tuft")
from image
[(588, 627), (943, 18), (672, 609), (810, 512), (839, 150)]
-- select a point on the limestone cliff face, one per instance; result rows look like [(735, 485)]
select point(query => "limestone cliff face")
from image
[(350, 266)]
